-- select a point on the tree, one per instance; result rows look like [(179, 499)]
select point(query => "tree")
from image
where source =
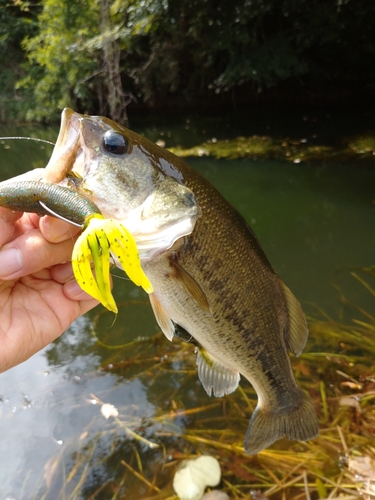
[(60, 72), (94, 54), (17, 20)]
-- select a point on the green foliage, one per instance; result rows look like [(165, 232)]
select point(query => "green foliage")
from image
[(200, 45), (16, 22), (77, 57), (93, 54), (60, 68)]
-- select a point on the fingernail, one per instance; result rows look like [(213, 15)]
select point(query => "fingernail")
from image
[(10, 261)]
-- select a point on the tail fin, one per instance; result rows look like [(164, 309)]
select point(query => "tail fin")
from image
[(299, 423)]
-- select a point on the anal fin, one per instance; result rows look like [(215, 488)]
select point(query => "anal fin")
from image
[(162, 318), (214, 376)]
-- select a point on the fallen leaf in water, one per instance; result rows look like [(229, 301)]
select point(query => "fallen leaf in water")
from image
[(350, 401), (363, 467), (109, 410), (215, 495), (193, 476)]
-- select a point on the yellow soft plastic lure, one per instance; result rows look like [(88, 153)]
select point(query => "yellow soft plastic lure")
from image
[(100, 238)]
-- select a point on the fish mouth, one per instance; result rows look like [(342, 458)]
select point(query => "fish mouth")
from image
[(153, 230), (67, 148)]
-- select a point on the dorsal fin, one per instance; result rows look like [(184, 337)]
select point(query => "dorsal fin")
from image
[(214, 376), (162, 318), (190, 285), (296, 337)]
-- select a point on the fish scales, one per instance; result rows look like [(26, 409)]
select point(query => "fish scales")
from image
[(213, 284), (250, 315), (227, 304)]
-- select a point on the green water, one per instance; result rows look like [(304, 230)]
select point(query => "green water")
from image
[(315, 223)]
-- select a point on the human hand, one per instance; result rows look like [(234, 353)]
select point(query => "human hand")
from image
[(39, 297)]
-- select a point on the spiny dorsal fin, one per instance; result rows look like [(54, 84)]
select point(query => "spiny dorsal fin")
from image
[(296, 337), (162, 318), (190, 285), (214, 376)]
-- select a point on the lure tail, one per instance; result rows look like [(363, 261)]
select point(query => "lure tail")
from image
[(101, 238)]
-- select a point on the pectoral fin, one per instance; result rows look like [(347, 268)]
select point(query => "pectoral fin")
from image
[(214, 376), (162, 318), (189, 284), (297, 336)]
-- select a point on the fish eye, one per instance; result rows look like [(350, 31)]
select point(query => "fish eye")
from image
[(115, 143)]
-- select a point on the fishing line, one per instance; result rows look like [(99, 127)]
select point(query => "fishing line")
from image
[(27, 139), (120, 277)]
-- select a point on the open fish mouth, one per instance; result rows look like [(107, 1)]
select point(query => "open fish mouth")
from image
[(163, 209), (140, 211), (67, 148)]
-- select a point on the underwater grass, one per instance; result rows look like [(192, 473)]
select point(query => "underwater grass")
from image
[(128, 456)]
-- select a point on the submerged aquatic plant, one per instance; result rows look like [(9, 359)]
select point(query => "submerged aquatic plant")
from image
[(288, 149), (121, 454)]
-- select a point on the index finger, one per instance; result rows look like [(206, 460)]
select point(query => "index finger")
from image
[(8, 228), (53, 229), (56, 230), (14, 224)]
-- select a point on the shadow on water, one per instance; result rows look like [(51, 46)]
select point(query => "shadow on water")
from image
[(109, 409)]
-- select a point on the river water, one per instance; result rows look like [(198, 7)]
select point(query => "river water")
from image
[(315, 223)]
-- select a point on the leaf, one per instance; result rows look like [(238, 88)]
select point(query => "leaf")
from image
[(193, 476), (109, 410)]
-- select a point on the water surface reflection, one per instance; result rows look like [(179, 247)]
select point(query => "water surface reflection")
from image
[(315, 222)]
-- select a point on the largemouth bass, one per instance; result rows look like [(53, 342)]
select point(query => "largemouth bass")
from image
[(213, 284)]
